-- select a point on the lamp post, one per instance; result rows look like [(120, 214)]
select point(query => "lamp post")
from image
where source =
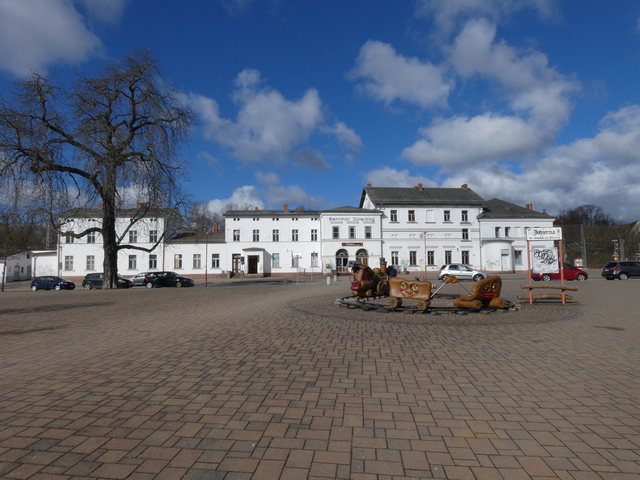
[(206, 258)]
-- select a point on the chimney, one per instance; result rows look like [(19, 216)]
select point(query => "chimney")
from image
[(529, 206), (141, 205), (368, 184), (101, 205), (257, 208), (286, 207), (420, 186), (298, 209), (216, 227), (465, 186)]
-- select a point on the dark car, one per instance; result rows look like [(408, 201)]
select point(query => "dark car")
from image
[(167, 279), (50, 282), (569, 271), (621, 270), (94, 280), (138, 279)]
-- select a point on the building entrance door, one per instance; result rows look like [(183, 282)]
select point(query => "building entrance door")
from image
[(235, 263), (342, 261), (252, 267)]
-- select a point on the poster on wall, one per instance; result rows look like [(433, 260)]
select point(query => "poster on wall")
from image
[(544, 260)]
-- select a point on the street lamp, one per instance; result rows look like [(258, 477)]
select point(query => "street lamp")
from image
[(206, 258)]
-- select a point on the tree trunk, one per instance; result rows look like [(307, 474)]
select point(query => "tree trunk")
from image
[(109, 237)]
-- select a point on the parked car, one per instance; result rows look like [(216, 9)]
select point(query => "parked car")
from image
[(51, 283), (461, 272), (94, 280), (138, 280), (621, 270), (569, 271), (167, 279)]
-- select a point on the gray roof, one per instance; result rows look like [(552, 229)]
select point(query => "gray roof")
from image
[(190, 237), (496, 208), (271, 213), (120, 212), (425, 196)]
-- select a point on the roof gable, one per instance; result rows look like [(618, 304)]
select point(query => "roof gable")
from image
[(421, 196)]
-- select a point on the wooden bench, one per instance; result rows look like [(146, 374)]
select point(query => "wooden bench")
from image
[(547, 296)]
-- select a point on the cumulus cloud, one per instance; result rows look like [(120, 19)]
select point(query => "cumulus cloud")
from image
[(447, 14), (37, 33), (388, 76), (311, 159), (538, 97), (246, 197), (345, 136), (267, 126), (586, 171), (390, 177)]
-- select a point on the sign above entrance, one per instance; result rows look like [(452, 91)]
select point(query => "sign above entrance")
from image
[(351, 244), (554, 233), (353, 219)]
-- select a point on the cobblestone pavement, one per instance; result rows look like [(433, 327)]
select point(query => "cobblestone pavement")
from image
[(272, 380)]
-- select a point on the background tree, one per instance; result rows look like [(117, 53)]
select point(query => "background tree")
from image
[(97, 141)]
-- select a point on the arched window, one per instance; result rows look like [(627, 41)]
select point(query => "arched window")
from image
[(342, 260), (362, 256)]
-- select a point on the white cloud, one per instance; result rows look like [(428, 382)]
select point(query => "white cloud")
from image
[(345, 136), (587, 171), (390, 177), (388, 76), (447, 13), (267, 126), (246, 197), (215, 164), (37, 33), (459, 141)]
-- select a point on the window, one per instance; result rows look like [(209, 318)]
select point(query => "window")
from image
[(465, 256), (153, 236), (412, 216), (497, 232), (68, 239), (68, 262), (352, 232), (465, 216), (367, 232), (413, 257), (153, 262), (276, 235), (294, 235), (394, 215), (314, 235), (275, 260), (336, 232), (506, 231), (236, 235), (314, 259), (394, 258), (91, 262), (133, 236), (295, 261), (447, 256), (447, 215), (256, 235), (133, 262), (91, 237), (197, 260), (465, 234), (431, 216), (215, 260), (518, 257), (431, 260), (177, 260)]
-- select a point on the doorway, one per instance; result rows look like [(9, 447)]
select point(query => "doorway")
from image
[(252, 267)]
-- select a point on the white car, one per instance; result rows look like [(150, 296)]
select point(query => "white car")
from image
[(461, 272)]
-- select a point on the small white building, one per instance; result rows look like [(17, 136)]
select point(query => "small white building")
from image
[(16, 268)]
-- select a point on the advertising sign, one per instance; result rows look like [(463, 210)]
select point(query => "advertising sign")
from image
[(544, 260), (553, 233)]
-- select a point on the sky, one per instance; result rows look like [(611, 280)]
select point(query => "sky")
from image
[(306, 102)]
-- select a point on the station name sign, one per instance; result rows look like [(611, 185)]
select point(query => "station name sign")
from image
[(353, 219), (554, 233)]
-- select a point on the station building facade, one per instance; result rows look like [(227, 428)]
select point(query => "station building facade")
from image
[(415, 229)]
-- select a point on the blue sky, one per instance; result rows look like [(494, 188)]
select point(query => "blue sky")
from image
[(304, 103)]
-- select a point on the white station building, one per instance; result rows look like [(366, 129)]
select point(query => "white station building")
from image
[(415, 229)]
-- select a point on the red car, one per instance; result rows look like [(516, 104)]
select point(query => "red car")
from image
[(570, 273)]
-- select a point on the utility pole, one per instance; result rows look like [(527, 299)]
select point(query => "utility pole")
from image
[(584, 247)]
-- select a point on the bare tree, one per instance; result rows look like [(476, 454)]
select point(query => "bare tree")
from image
[(97, 141)]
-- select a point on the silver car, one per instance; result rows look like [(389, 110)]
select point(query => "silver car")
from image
[(461, 272), (138, 280)]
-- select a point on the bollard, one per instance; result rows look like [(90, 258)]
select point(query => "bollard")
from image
[(329, 280), (335, 278)]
